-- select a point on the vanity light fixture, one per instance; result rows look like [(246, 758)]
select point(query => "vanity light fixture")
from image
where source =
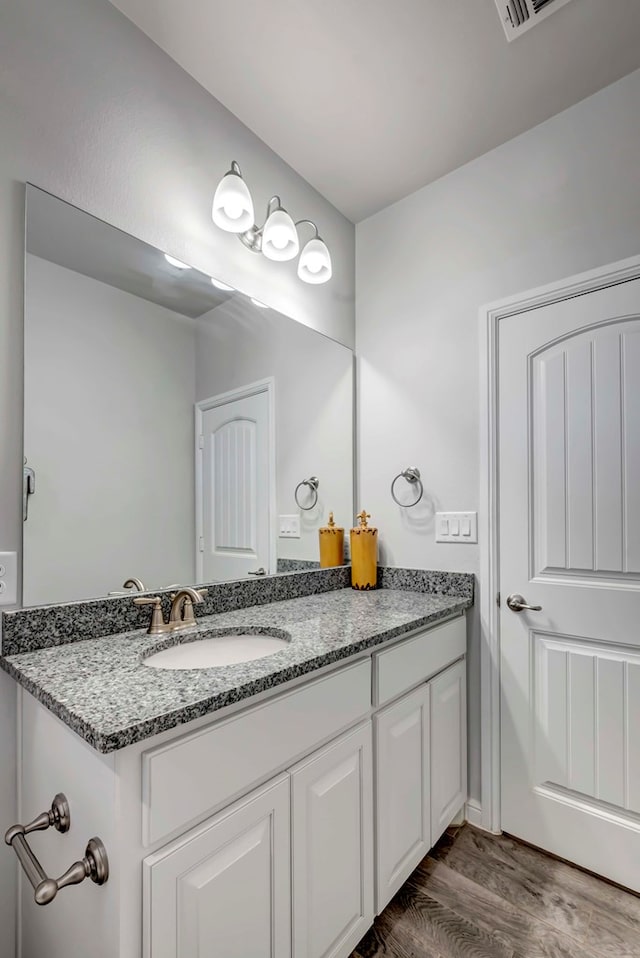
[(278, 237), (256, 302), (176, 262), (314, 265), (232, 204), (223, 286)]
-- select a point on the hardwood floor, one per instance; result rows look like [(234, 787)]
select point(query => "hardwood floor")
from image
[(485, 896)]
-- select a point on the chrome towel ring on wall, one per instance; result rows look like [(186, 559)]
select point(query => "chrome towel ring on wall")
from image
[(412, 475), (313, 484)]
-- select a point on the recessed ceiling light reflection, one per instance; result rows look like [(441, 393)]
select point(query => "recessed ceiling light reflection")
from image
[(222, 286), (176, 262), (256, 302)]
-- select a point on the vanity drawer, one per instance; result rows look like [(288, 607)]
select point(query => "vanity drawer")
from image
[(409, 663), (185, 779)]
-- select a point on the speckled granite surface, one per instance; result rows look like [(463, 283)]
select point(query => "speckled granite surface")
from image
[(296, 565), (426, 580), (102, 690), (27, 630)]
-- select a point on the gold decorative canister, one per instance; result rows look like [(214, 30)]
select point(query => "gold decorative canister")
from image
[(331, 544), (364, 554)]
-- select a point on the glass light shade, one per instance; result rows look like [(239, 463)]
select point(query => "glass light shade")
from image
[(280, 237), (232, 204), (314, 265), (220, 285), (256, 302), (176, 262)]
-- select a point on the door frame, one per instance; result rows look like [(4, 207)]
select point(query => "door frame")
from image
[(267, 386), (490, 317)]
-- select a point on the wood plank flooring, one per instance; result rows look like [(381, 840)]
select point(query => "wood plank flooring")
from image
[(485, 896)]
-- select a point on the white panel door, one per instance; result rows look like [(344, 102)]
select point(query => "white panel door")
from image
[(448, 701), (235, 467), (403, 804), (570, 543), (224, 889), (332, 828)]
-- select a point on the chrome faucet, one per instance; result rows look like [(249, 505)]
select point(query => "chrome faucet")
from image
[(181, 615)]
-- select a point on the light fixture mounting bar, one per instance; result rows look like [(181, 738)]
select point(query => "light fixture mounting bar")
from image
[(252, 238)]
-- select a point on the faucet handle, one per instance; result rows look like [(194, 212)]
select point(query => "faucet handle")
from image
[(157, 623)]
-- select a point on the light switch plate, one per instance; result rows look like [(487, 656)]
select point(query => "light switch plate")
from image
[(456, 527), (289, 527), (8, 578)]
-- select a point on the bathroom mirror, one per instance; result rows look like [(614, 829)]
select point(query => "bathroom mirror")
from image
[(169, 425)]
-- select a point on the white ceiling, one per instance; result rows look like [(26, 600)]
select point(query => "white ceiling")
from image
[(370, 99)]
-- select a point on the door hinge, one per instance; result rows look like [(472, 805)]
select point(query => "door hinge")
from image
[(201, 544), (498, 600), (200, 442)]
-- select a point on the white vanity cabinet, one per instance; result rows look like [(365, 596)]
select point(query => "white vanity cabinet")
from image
[(228, 883), (277, 827), (420, 749), (332, 857), (448, 693), (403, 801), (226, 887)]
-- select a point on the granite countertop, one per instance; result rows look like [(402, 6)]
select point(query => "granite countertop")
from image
[(100, 688)]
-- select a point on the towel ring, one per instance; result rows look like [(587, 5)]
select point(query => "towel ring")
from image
[(313, 484), (412, 475)]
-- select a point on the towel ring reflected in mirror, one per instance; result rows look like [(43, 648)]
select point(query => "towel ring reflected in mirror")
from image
[(313, 484), (412, 476)]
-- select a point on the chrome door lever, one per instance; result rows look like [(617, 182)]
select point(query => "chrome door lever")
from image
[(518, 603)]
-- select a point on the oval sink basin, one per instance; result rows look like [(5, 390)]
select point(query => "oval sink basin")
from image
[(217, 650)]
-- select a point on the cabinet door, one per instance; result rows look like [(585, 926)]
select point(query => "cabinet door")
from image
[(403, 807), (332, 799), (448, 747), (224, 889)]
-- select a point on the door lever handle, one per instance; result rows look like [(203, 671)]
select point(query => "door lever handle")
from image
[(28, 488), (518, 603)]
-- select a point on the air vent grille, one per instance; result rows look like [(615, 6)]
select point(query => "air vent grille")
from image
[(517, 12), (520, 15)]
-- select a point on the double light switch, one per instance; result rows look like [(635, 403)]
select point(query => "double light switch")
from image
[(456, 526)]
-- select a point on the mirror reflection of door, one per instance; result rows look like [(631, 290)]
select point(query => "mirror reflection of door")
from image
[(235, 484)]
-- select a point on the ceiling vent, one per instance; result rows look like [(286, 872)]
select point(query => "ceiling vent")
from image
[(518, 16)]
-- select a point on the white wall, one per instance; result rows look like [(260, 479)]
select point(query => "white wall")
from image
[(562, 198), (93, 111), (238, 344), (108, 427)]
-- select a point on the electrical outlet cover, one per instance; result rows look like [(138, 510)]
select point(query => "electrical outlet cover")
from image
[(8, 578), (289, 527)]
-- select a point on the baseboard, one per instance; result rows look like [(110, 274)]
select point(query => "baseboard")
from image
[(473, 813)]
